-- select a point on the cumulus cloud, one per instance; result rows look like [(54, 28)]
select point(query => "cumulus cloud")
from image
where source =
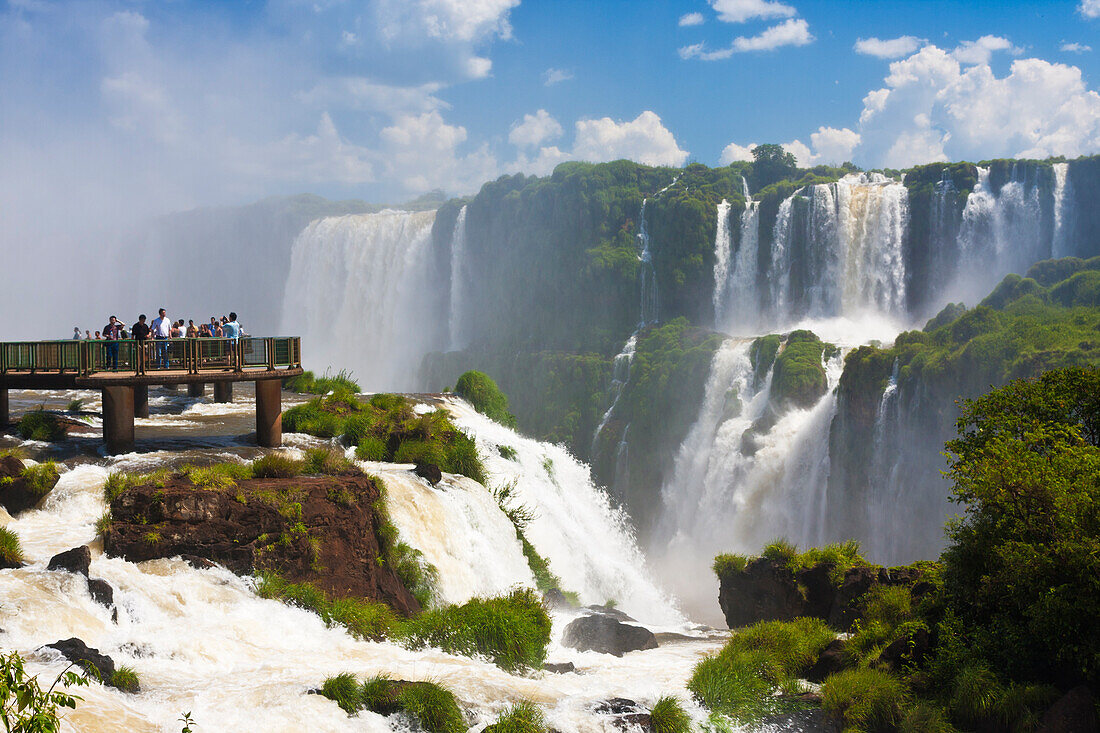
[(739, 11), (422, 151), (888, 48), (534, 130), (688, 19), (793, 32), (644, 139), (552, 76), (981, 51), (460, 20), (1075, 47), (833, 146), (365, 94), (1089, 8), (734, 152)]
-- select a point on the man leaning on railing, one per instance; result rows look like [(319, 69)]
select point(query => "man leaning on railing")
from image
[(112, 332)]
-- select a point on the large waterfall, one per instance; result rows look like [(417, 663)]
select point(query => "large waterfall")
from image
[(361, 296), (457, 321)]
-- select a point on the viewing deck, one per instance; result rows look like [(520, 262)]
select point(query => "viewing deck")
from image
[(125, 369)]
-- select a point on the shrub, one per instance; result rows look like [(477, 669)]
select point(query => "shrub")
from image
[(217, 476), (728, 564), (27, 708), (125, 679), (11, 552), (369, 620), (41, 477), (103, 524), (864, 700), (371, 448), (925, 718), (419, 451), (311, 418), (512, 631), (307, 382), (523, 717), (276, 465), (344, 691), (417, 574), (482, 392), (669, 716), (434, 707), (76, 405), (328, 461), (781, 552), (41, 425), (465, 460), (357, 427)]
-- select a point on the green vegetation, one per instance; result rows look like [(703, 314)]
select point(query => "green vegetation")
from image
[(668, 716), (798, 377), (434, 708), (507, 452), (27, 708), (728, 564), (482, 392), (328, 462), (523, 717), (40, 478), (520, 516), (41, 425), (512, 631), (276, 465), (76, 405), (308, 383), (363, 619), (740, 681), (125, 679), (865, 700), (103, 524), (11, 552), (842, 556)]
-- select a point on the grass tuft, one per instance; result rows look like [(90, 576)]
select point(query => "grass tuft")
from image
[(523, 717), (11, 552), (864, 700), (277, 465), (729, 564), (41, 425), (368, 620), (668, 716), (76, 405), (217, 476), (433, 706), (40, 478), (125, 679), (328, 461), (343, 689), (309, 383), (103, 524)]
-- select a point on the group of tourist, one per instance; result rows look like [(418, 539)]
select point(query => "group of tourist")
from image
[(161, 329)]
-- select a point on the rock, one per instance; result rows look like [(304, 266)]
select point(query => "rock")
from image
[(1074, 712), (830, 661), (763, 591), (6, 565), (554, 598), (612, 612), (101, 592), (908, 649), (199, 563), (77, 652), (606, 635), (559, 667), (429, 472), (633, 721), (15, 494), (616, 706), (803, 721), (75, 560)]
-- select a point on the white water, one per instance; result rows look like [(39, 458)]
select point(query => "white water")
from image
[(1063, 212), (202, 641), (620, 375), (458, 337), (649, 295), (722, 246), (357, 294)]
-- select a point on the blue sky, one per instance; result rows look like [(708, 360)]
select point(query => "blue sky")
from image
[(126, 108)]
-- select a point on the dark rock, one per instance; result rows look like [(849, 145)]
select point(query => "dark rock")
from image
[(633, 721), (75, 560), (606, 635), (1074, 712), (6, 565), (763, 591), (15, 495), (612, 612), (913, 648), (616, 706), (199, 563), (77, 652), (559, 667), (554, 598), (830, 661), (334, 545), (429, 472), (857, 581), (803, 721), (101, 592)]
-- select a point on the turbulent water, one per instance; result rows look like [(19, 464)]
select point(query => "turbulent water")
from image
[(356, 294), (202, 641)]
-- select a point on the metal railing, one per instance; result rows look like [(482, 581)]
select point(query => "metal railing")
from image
[(129, 356)]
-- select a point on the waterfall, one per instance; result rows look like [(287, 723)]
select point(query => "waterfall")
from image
[(359, 294), (779, 273), (883, 500), (722, 247), (457, 338), (1062, 245), (650, 299), (620, 375)]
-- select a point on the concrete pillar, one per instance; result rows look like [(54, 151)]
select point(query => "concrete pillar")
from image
[(118, 419), (269, 413), (3, 407), (141, 400), (196, 389), (223, 391)]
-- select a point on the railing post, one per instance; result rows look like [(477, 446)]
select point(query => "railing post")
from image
[(269, 344)]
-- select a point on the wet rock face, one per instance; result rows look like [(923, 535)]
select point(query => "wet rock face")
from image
[(75, 560), (1074, 712), (77, 652), (604, 634), (429, 472), (317, 529), (15, 495)]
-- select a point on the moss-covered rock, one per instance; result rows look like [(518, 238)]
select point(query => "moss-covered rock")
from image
[(798, 377)]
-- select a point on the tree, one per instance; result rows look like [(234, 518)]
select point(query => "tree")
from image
[(1022, 572), (771, 163), (24, 706)]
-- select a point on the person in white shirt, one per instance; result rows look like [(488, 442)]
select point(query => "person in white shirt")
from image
[(162, 330)]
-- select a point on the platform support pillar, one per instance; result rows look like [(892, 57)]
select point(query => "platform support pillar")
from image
[(223, 391), (269, 413), (196, 389), (118, 419), (141, 400)]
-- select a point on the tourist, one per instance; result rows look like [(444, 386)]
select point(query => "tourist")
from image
[(140, 330), (98, 337), (113, 331), (175, 331), (192, 332), (87, 335), (231, 328), (162, 331), (76, 333)]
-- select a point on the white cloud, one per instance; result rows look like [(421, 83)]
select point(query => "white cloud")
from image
[(888, 48), (981, 50), (691, 19), (793, 32), (541, 164), (833, 146), (478, 67), (739, 11), (364, 94), (422, 152), (801, 153), (349, 38), (550, 77), (534, 130), (644, 139), (1076, 47), (734, 152), (455, 20), (322, 157), (1089, 8)]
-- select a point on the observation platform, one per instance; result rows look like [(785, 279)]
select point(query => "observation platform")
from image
[(123, 371)]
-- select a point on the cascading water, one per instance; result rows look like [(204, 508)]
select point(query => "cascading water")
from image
[(883, 504), (457, 337), (650, 298), (620, 375), (356, 294), (1062, 245), (737, 303)]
